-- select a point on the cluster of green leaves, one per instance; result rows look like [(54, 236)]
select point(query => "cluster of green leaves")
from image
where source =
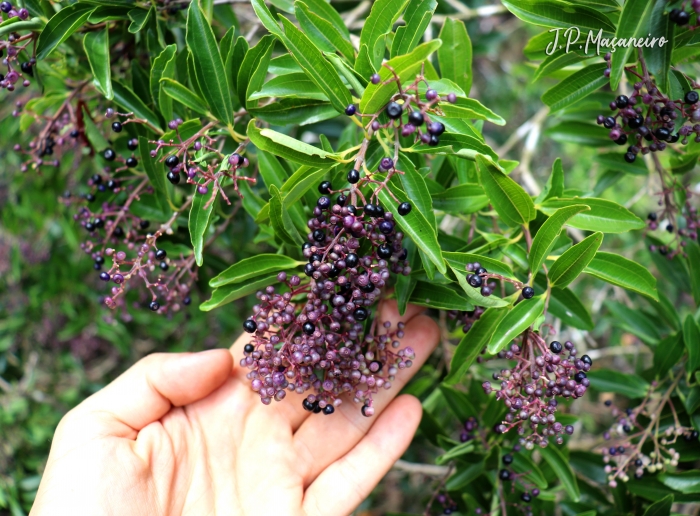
[(285, 92)]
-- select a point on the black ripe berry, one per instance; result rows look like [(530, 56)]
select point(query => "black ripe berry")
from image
[(132, 144), (504, 475), (352, 260), (674, 138), (507, 459), (308, 406), (250, 326), (630, 157), (173, 177), (528, 292), (161, 254), (384, 252), (248, 349), (635, 123), (622, 101), (325, 188), (669, 228), (131, 162), (652, 216), (475, 280), (350, 110), (96, 179), (556, 347), (118, 232), (308, 328), (89, 197), (117, 127), (353, 176), (172, 161), (323, 202), (415, 118), (394, 110), (341, 200), (164, 266), (586, 360), (609, 122), (328, 410), (579, 377), (319, 235), (154, 305), (404, 208), (436, 128), (109, 154), (525, 497), (27, 68), (692, 97), (361, 314), (309, 269), (662, 133), (622, 139), (434, 140), (681, 18)]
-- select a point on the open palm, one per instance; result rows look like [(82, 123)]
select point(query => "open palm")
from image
[(184, 434)]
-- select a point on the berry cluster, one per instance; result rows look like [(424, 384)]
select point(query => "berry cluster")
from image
[(13, 48), (529, 390), (465, 319), (665, 219), (317, 334), (626, 453), (479, 277), (506, 474), (650, 116), (449, 506), (681, 17), (471, 426)]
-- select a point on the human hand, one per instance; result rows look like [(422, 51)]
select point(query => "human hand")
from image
[(181, 434)]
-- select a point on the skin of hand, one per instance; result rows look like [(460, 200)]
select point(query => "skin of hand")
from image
[(183, 434)]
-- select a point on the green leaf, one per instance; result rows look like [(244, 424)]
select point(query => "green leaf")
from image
[(453, 453), (508, 198), (633, 22), (474, 293), (687, 482), (562, 471), (293, 85), (289, 148), (455, 54), (288, 112), (576, 86), (96, 46), (416, 190), (606, 216), (156, 175), (281, 220), (461, 199), (526, 467), (570, 264), (620, 271), (258, 265), (406, 284), (438, 296), (311, 60), (128, 100), (321, 31), (515, 322), (555, 62), (299, 183), (667, 353), (414, 225), (660, 508), (14, 24), (379, 22), (607, 380), (163, 66), (464, 476), (208, 65), (183, 95), (406, 67), (555, 184), (459, 261), (469, 108), (634, 321), (547, 235), (266, 18), (139, 17), (251, 74), (325, 10), (659, 59), (59, 28), (693, 251), (461, 145), (228, 293), (458, 402), (417, 18), (473, 342), (556, 13), (198, 223), (691, 336)]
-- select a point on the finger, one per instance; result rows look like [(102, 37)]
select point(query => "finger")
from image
[(349, 480), (147, 391), (290, 408), (322, 440)]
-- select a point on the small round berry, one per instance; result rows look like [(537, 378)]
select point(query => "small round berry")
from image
[(248, 348), (630, 157), (308, 328), (579, 377), (504, 475), (475, 280), (328, 410), (692, 97), (556, 347), (172, 161), (662, 133), (325, 188), (375, 79), (5, 7), (622, 140), (384, 252), (132, 144), (386, 164), (361, 314), (161, 254), (117, 127), (451, 98), (652, 216), (353, 176), (431, 95), (635, 123), (622, 101), (319, 235), (681, 18), (525, 497), (250, 326), (507, 459), (308, 406), (173, 177), (609, 122), (434, 140), (154, 306), (164, 266), (352, 260), (104, 276), (27, 68), (341, 200), (89, 197), (669, 228), (436, 128), (394, 110), (109, 154), (131, 162), (350, 110), (586, 360), (386, 227), (415, 118), (486, 291), (367, 411), (528, 292), (404, 208), (323, 202)]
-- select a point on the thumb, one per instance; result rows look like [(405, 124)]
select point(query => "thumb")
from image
[(147, 391)]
